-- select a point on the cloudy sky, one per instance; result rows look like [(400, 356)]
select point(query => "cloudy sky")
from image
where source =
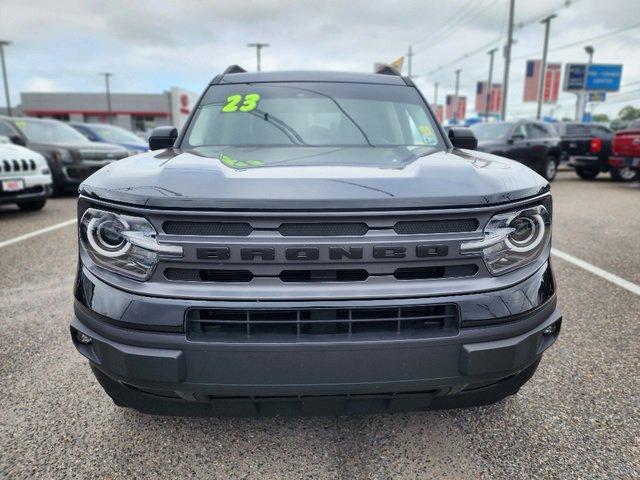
[(62, 45)]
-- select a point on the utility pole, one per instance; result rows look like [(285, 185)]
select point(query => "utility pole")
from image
[(543, 66), (507, 60), (108, 75), (455, 96), (409, 61), (258, 46), (4, 43), (487, 107)]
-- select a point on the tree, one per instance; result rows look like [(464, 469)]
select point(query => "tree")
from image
[(600, 117), (628, 113)]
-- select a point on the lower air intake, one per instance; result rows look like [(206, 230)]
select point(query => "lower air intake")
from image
[(309, 324)]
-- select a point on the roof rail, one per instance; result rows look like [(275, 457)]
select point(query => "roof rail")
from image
[(234, 69), (388, 70)]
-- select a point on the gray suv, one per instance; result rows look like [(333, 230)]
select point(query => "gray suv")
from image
[(313, 242)]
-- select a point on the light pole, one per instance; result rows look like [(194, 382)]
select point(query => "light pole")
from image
[(487, 107), (409, 61), (108, 75), (543, 66), (589, 49), (507, 61), (258, 46), (4, 43), (455, 96), (435, 94), (585, 95)]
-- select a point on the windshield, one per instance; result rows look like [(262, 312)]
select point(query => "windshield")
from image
[(491, 131), (39, 131), (311, 114), (115, 134)]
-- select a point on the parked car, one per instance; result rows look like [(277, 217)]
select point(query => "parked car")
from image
[(25, 178), (625, 160), (100, 132), (586, 147), (315, 243), (536, 144), (71, 157)]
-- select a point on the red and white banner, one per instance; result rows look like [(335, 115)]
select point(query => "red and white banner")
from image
[(495, 101), (551, 86), (460, 108)]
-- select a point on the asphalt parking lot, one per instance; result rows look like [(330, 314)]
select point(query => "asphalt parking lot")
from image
[(579, 417)]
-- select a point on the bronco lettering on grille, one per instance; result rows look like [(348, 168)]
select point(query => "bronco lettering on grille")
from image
[(313, 253)]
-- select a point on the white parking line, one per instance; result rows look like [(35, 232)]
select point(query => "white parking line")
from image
[(619, 281), (35, 233)]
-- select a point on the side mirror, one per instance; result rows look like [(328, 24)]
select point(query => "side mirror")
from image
[(18, 140), (462, 137), (516, 137), (163, 137)]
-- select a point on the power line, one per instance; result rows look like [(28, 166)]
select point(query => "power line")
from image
[(455, 28), (583, 41), (445, 25), (519, 26)]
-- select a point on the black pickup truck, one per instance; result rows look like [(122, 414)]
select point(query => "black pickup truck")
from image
[(313, 242), (586, 147)]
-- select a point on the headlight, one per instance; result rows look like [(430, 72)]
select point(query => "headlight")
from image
[(62, 156), (513, 239), (123, 243)]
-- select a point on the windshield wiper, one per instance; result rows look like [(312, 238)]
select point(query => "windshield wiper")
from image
[(337, 105), (284, 127)]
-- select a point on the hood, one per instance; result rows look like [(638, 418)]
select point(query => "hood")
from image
[(9, 150), (313, 178)]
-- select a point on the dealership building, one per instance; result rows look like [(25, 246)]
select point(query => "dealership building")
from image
[(138, 112)]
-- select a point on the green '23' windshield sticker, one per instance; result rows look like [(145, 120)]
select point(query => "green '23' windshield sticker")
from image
[(240, 164), (241, 103)]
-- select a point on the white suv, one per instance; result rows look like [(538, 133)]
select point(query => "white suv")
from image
[(25, 178)]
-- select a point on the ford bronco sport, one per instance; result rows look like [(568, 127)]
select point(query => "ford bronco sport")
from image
[(312, 242)]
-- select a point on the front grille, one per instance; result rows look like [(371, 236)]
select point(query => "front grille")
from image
[(322, 229), (308, 324), (319, 229), (207, 228), (320, 274), (437, 226), (17, 166), (101, 155)]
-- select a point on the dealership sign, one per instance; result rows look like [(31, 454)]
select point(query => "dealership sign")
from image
[(595, 77), (604, 78)]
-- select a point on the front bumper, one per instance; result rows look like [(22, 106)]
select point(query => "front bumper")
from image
[(35, 187), (165, 364), (71, 175)]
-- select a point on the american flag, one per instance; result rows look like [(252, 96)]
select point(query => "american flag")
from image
[(532, 81), (461, 109), (495, 102)]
